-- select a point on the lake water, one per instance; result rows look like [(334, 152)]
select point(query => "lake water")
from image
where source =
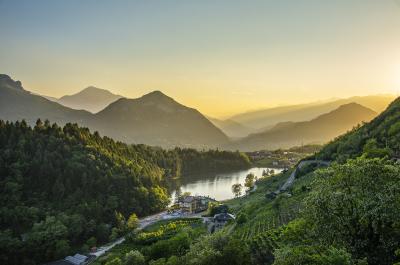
[(217, 186)]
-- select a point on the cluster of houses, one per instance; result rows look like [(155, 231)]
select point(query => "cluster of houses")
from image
[(191, 204), (195, 204)]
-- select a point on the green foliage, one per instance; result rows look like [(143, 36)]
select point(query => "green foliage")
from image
[(167, 242), (379, 138), (134, 257), (249, 181), (60, 186), (133, 222), (237, 189), (357, 205), (218, 249), (242, 218), (311, 255), (116, 261), (163, 231)]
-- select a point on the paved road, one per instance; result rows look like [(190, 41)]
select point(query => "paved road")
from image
[(143, 222), (292, 177)]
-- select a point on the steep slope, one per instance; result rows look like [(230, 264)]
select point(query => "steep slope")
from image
[(92, 99), (265, 119), (17, 104), (318, 130), (232, 128), (380, 137), (157, 119)]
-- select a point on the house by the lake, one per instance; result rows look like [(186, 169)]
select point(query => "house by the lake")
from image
[(194, 204)]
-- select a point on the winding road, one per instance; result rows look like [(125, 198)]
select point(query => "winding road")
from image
[(292, 177), (143, 222)]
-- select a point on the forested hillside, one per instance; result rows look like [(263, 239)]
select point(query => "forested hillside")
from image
[(64, 188), (379, 138)]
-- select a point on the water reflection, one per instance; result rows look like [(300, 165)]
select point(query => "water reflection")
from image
[(217, 186)]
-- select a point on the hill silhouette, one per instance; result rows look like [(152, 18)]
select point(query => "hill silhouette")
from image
[(92, 99), (319, 130)]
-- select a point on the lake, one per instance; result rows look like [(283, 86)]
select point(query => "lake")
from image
[(217, 185)]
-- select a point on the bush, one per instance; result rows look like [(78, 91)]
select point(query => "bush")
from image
[(134, 257), (242, 218)]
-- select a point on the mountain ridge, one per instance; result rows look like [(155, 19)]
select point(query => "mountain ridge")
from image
[(319, 130), (265, 119), (91, 98), (153, 119)]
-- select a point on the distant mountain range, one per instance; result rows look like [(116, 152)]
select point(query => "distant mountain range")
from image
[(378, 138), (232, 128), (154, 119), (319, 130), (92, 99), (265, 119), (17, 104)]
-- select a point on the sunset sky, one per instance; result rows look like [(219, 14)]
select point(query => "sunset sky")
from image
[(221, 56)]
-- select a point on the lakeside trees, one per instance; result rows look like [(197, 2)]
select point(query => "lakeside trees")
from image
[(249, 181), (237, 189)]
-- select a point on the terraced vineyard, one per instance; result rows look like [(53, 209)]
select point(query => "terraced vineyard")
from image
[(265, 223)]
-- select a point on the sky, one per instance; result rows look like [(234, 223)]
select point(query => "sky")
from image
[(221, 57)]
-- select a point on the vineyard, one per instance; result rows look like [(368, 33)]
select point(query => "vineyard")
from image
[(266, 222)]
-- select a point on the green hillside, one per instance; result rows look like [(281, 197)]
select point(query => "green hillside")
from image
[(63, 188), (379, 138)]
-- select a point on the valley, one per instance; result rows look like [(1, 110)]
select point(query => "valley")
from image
[(123, 182), (200, 132)]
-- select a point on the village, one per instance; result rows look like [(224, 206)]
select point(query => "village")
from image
[(282, 158)]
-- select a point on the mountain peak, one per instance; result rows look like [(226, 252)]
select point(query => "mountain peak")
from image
[(94, 89), (155, 93), (353, 107), (156, 96), (91, 98), (8, 82)]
